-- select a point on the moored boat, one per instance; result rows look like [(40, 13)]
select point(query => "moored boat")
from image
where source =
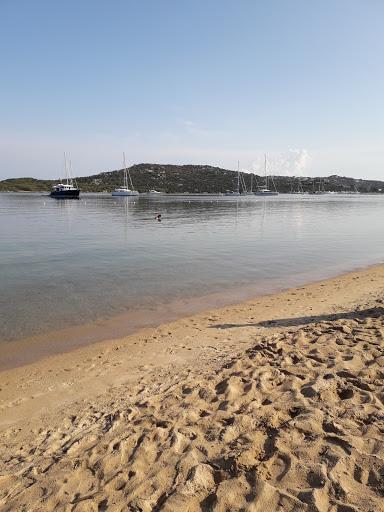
[(265, 191), (67, 190), (124, 190), (235, 192)]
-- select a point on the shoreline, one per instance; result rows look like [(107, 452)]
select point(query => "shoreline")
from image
[(31, 349), (343, 291), (273, 402)]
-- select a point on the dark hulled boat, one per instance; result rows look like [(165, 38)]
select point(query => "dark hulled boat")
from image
[(65, 191)]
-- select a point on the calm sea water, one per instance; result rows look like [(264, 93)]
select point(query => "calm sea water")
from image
[(66, 263)]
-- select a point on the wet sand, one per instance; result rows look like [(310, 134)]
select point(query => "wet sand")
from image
[(14, 353), (272, 404), (19, 352)]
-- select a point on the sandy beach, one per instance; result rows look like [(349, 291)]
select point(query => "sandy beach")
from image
[(275, 404)]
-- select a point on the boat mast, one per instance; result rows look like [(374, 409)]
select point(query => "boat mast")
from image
[(125, 184), (125, 175), (70, 173), (238, 177), (65, 167), (265, 170)]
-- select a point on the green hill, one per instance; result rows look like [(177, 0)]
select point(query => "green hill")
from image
[(165, 178), (25, 185), (193, 179)]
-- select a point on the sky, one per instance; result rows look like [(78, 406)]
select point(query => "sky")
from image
[(192, 82)]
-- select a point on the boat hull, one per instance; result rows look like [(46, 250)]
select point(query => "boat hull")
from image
[(65, 194), (125, 194), (271, 193)]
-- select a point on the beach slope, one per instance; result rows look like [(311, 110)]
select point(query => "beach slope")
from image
[(276, 404)]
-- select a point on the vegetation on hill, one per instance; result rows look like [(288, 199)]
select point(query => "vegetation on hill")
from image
[(165, 178), (25, 185), (194, 179)]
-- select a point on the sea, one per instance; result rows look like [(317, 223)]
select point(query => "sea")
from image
[(108, 264)]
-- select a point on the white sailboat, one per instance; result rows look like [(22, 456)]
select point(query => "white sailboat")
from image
[(154, 192), (235, 192), (124, 190), (265, 191), (245, 191)]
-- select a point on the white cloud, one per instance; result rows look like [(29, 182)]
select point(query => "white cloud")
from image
[(300, 161), (294, 162), (41, 155)]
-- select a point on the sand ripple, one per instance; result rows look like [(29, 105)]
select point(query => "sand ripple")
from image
[(293, 423)]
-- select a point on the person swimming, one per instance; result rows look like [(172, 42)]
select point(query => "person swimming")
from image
[(158, 217)]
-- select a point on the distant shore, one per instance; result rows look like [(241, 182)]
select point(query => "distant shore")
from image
[(201, 179), (275, 403), (194, 194)]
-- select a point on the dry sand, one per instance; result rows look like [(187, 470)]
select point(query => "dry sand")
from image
[(275, 404)]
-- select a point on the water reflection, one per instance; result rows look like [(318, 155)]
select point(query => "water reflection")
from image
[(74, 261)]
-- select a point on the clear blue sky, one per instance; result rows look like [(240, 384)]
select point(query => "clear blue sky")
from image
[(192, 81)]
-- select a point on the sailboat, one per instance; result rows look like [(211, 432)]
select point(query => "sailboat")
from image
[(244, 186), (237, 192), (66, 190), (321, 188), (299, 189), (153, 192), (124, 190), (265, 191)]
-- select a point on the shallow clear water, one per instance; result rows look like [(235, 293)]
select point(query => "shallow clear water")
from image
[(70, 262)]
